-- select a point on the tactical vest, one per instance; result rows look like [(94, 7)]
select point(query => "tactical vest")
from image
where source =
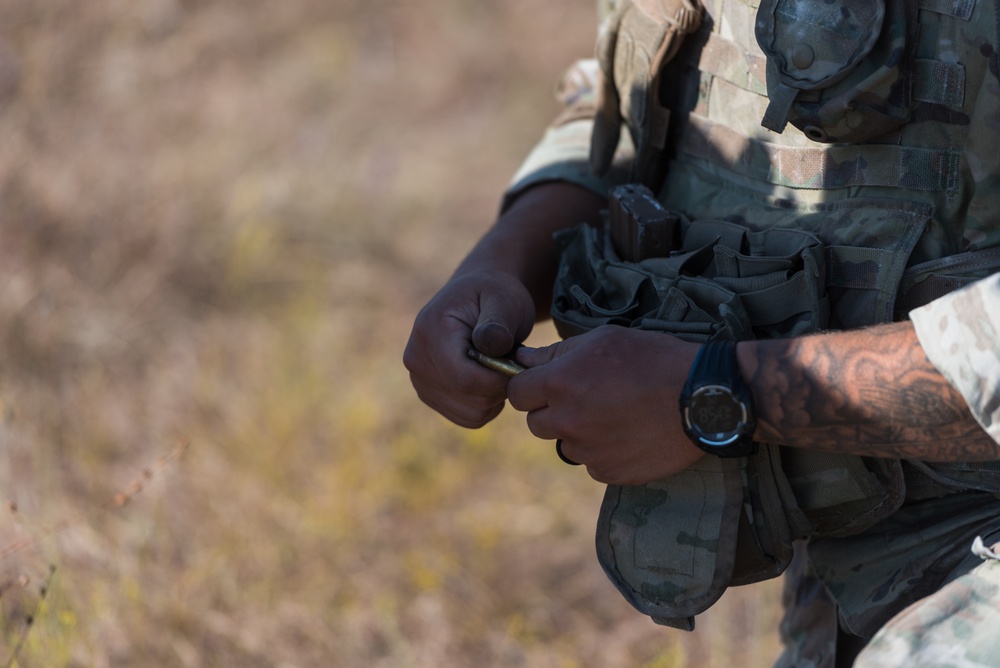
[(872, 186)]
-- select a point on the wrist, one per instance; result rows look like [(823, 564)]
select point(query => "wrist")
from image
[(746, 358), (520, 244), (749, 358)]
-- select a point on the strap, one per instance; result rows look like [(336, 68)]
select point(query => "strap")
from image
[(959, 9), (776, 304), (823, 167), (938, 82), (925, 282), (732, 63), (934, 81), (982, 476), (856, 267)]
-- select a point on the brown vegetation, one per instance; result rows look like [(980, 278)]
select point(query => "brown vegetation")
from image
[(217, 221)]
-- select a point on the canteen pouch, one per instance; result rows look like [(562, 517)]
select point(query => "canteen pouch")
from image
[(673, 546), (838, 70)]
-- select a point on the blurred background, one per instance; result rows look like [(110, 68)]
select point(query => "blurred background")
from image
[(218, 219)]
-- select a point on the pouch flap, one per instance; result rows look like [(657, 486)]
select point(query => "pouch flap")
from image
[(839, 70), (668, 545), (815, 43)]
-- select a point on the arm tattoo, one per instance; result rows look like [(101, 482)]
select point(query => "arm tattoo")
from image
[(869, 392)]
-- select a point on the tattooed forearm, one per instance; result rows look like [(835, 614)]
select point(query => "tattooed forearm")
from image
[(870, 392)]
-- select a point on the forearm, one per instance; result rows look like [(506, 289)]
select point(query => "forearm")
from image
[(521, 244), (868, 392)]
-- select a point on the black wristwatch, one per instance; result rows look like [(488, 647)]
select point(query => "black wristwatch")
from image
[(716, 405)]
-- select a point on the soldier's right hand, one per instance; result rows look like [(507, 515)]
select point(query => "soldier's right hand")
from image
[(490, 310)]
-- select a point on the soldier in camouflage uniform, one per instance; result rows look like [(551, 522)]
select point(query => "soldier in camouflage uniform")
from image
[(869, 130)]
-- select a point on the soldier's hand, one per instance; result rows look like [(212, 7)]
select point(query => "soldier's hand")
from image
[(612, 396), (491, 311)]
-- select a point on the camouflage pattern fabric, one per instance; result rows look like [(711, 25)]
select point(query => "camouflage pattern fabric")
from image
[(809, 626), (948, 629), (956, 627), (960, 333), (874, 575)]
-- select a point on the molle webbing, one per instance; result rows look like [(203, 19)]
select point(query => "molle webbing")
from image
[(823, 167), (959, 9), (938, 82), (934, 81), (725, 276)]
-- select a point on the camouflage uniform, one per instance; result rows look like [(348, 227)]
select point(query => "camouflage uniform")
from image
[(960, 333), (910, 170)]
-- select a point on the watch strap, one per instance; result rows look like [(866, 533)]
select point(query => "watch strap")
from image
[(715, 364)]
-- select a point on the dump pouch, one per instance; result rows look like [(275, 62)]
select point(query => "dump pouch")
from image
[(632, 542)]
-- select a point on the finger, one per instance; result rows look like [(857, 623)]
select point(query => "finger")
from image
[(504, 320), (470, 383), (527, 392), (493, 337), (464, 411), (456, 385), (532, 357), (561, 453), (532, 390), (541, 423)]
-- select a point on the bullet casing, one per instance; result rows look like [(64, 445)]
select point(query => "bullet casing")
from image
[(505, 366)]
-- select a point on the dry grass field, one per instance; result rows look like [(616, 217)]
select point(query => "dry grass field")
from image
[(218, 219)]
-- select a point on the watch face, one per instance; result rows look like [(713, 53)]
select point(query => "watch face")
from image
[(715, 415)]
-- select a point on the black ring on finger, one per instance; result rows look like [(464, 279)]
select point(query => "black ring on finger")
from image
[(562, 456)]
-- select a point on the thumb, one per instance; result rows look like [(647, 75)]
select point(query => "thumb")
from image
[(505, 320)]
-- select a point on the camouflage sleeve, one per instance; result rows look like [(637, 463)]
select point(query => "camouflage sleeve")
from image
[(563, 154), (960, 333)]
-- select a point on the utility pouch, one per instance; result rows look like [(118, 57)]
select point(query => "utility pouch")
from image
[(839, 70), (672, 547), (634, 44)]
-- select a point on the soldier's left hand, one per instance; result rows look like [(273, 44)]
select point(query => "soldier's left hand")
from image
[(611, 396)]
